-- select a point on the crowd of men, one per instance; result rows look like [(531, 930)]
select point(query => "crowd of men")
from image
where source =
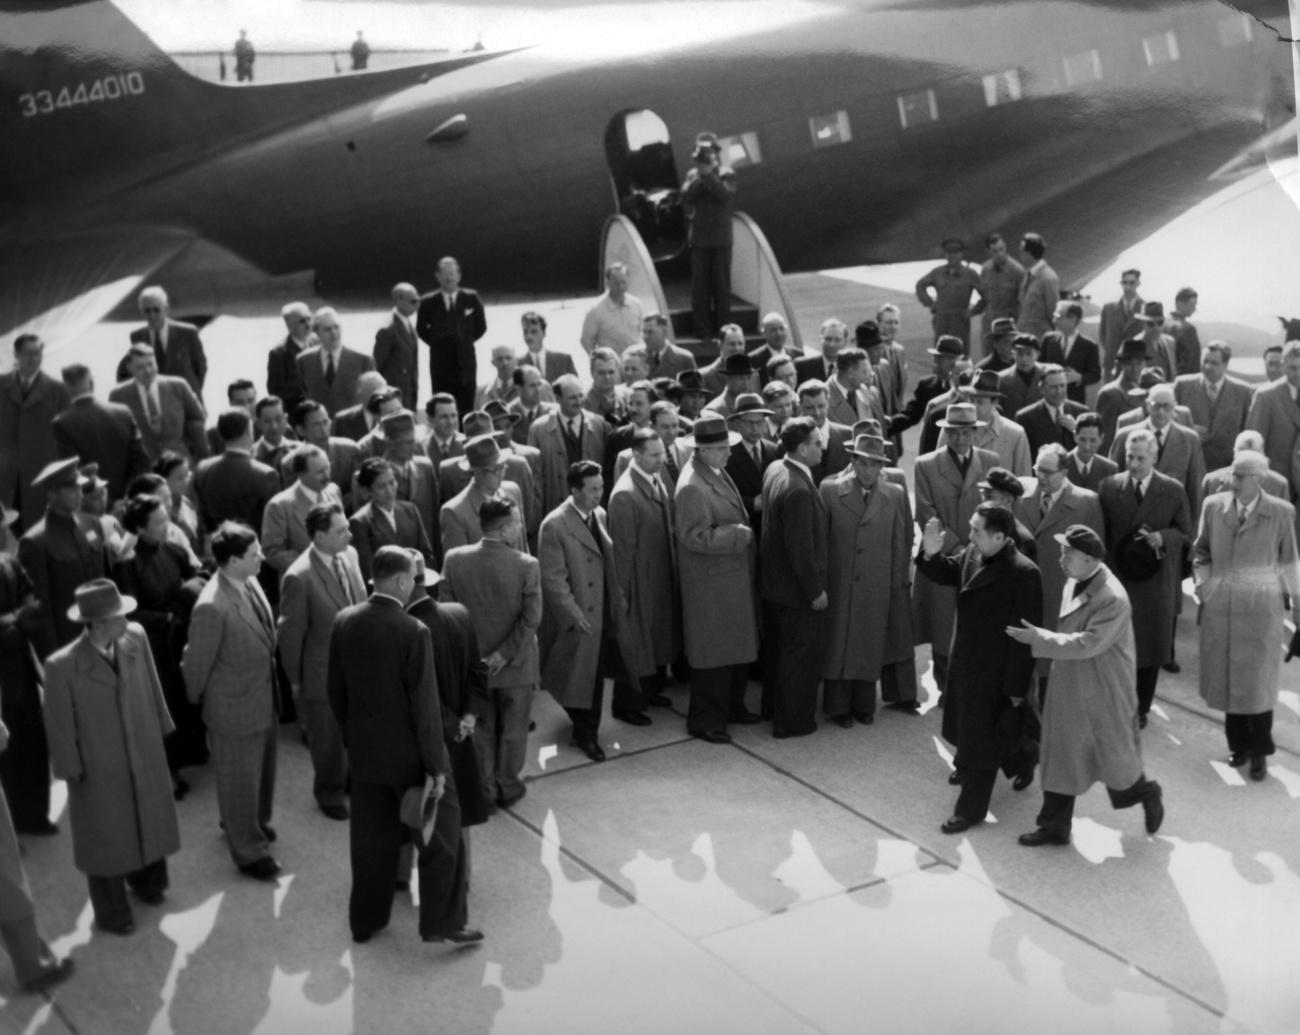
[(400, 583)]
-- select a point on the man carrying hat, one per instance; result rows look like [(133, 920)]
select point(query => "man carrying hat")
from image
[(1089, 733), (708, 193), (1243, 557), (458, 519), (946, 291), (999, 357), (1178, 447), (995, 433), (63, 550), (716, 555), (739, 373), (947, 488), (869, 621), (106, 720)]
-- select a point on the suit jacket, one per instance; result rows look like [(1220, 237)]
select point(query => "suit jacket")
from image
[(1117, 326), (371, 530), (284, 524), (748, 477), (182, 357), (455, 449), (1039, 293), (1084, 358), (835, 457), (229, 660), (458, 518), (383, 690), (351, 424), (282, 377), (345, 460), (395, 358), (502, 588), (233, 487), (1040, 429), (793, 548), (310, 597), (59, 553), (180, 424), (106, 434), (673, 360), (1112, 402), (453, 479), (547, 437), (519, 434), (1074, 506), (1180, 458), (760, 356), (27, 442), (1099, 469), (418, 484), (842, 411), (1016, 395), (349, 366), (451, 335), (1222, 422), (557, 364)]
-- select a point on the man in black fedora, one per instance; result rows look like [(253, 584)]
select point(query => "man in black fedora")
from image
[(739, 372), (1001, 334), (752, 455)]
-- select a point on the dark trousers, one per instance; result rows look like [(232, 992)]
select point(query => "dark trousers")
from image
[(376, 837), (898, 682), (1250, 734), (716, 694), (1057, 813), (108, 894), (769, 638), (710, 289), (801, 642), (976, 790), (329, 756), (455, 382), (25, 764), (28, 953), (1146, 687), (586, 721), (844, 696), (940, 671)]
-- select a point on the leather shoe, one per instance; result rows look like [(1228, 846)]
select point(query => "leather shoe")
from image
[(1153, 807), (958, 824), (1142, 722), (715, 737), (124, 928), (743, 719), (659, 700), (632, 718), (465, 936), (1258, 767), (1022, 781), (268, 832), (904, 706), (179, 789), (1172, 666), (1237, 759), (1038, 837), (866, 718), (151, 898), (786, 734), (590, 748), (42, 829), (50, 976), (264, 868), (954, 778), (844, 722), (505, 802), (338, 812)]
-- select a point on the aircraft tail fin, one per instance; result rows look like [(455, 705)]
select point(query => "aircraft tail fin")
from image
[(86, 94)]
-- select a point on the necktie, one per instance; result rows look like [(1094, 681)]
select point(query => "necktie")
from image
[(1137, 490), (450, 300), (591, 527), (258, 609), (1044, 504), (329, 370), (341, 574), (671, 464), (866, 497), (1160, 444), (758, 456), (152, 409), (1241, 515)]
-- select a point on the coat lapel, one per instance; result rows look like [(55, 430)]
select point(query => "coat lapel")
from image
[(326, 577), (92, 665)]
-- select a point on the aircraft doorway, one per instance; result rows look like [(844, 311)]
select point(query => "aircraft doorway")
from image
[(640, 155)]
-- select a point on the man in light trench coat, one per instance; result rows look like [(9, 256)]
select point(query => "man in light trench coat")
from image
[(1090, 715)]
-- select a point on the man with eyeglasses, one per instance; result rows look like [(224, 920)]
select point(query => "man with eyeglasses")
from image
[(1119, 319), (395, 345), (1178, 448), (176, 345), (282, 377)]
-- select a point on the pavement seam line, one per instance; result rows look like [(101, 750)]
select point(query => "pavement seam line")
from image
[(609, 758)]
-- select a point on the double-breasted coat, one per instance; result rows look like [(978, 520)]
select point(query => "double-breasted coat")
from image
[(942, 492), (60, 553), (1241, 572), (986, 667), (578, 582), (1090, 716), (869, 552), (645, 561), (106, 732), (1155, 601), (716, 558)]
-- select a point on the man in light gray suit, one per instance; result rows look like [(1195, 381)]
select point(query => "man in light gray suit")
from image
[(322, 581), (329, 372), (1178, 449), (1219, 404), (502, 589), (166, 410), (459, 520), (229, 667), (284, 522)]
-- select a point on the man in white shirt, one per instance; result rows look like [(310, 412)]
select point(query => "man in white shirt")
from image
[(614, 322), (284, 523)]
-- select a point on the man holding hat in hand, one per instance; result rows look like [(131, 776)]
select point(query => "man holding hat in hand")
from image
[(106, 720), (1089, 718)]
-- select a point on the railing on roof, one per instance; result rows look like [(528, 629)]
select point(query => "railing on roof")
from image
[(286, 66)]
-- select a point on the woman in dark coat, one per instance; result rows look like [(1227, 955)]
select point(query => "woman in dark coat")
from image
[(163, 579)]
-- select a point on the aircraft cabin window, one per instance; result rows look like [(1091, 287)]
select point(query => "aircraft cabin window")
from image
[(740, 150), (1083, 68), (830, 130), (918, 109), (1235, 30), (1160, 49), (1002, 87)]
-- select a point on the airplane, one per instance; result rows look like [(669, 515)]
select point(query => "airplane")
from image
[(862, 131)]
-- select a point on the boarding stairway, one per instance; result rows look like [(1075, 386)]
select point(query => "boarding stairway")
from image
[(757, 285)]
